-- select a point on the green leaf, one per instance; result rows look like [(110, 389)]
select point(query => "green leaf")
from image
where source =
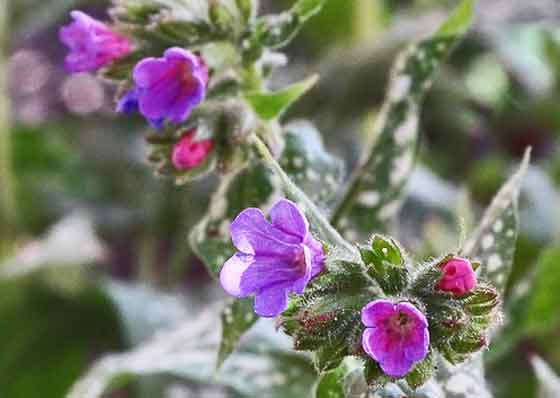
[(48, 338), (318, 173), (247, 9), (308, 8), (276, 31), (375, 192), (542, 313), (221, 17), (330, 384), (493, 242), (188, 352), (422, 372), (271, 105), (549, 382), (237, 318), (459, 22)]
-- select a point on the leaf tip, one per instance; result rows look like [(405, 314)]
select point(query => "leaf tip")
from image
[(459, 21)]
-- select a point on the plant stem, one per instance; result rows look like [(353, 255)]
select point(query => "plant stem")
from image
[(317, 218), (369, 19), (7, 202)]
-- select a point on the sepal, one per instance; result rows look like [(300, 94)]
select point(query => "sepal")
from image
[(385, 262)]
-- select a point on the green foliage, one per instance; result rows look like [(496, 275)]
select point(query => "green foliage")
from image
[(542, 308), (375, 192), (329, 384), (237, 318), (188, 352), (493, 242), (385, 262), (269, 106), (317, 172), (48, 339)]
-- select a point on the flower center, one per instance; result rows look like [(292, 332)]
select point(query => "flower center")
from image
[(400, 324), (299, 261)]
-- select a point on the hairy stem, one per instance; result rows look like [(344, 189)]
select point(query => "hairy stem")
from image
[(327, 231)]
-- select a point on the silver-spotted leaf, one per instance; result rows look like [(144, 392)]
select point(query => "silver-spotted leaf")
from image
[(493, 242), (264, 367), (375, 192), (237, 318)]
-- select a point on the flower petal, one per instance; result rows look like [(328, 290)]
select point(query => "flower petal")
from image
[(413, 313), (395, 363), (182, 55), (285, 215), (232, 272), (317, 255), (369, 337), (377, 311), (149, 71), (417, 345), (251, 233), (160, 98), (272, 301), (267, 271)]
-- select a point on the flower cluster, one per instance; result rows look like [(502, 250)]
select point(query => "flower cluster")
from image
[(335, 310), (164, 89)]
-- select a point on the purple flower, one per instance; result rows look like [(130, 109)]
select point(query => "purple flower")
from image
[(128, 104), (275, 258), (92, 44), (396, 335), (172, 86)]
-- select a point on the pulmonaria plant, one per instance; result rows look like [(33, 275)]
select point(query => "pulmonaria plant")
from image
[(199, 77)]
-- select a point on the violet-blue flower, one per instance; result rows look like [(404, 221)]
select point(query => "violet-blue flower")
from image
[(275, 258), (396, 335), (92, 44), (128, 104), (172, 86)]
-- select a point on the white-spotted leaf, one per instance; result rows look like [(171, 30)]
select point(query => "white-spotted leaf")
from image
[(375, 193), (493, 242)]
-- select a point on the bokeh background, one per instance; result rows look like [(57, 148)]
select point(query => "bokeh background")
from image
[(91, 241)]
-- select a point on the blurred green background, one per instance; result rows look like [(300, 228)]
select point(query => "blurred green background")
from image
[(82, 215)]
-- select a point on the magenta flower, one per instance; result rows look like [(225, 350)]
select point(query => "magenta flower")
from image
[(92, 44), (458, 277), (275, 258), (172, 86), (396, 335), (188, 153)]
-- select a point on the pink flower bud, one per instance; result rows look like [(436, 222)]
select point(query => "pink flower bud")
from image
[(458, 277), (188, 153)]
